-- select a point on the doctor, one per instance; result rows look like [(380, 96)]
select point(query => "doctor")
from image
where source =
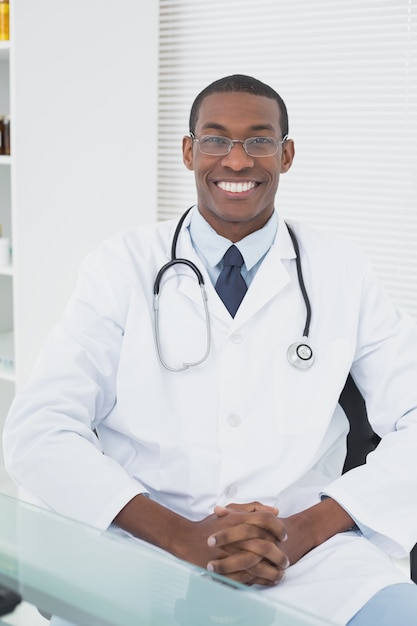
[(214, 443)]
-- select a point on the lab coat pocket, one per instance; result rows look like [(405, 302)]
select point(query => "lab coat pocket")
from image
[(306, 398)]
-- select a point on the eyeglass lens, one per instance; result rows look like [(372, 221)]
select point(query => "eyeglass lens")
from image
[(254, 146)]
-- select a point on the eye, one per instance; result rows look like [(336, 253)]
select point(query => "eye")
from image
[(268, 141), (214, 139)]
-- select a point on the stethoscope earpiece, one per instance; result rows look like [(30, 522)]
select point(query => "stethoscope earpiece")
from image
[(300, 355)]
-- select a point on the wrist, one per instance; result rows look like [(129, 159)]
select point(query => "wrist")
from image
[(312, 527), (148, 520), (326, 519)]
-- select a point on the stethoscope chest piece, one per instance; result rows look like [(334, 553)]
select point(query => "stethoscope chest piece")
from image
[(300, 355)]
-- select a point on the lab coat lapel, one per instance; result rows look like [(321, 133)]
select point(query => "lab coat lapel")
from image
[(271, 277), (188, 287)]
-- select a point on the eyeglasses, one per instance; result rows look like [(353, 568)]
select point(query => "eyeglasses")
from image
[(215, 145)]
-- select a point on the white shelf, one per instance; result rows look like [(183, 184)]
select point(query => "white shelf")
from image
[(6, 270), (7, 356), (7, 376), (4, 50), (7, 370)]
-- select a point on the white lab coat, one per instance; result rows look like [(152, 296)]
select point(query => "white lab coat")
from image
[(244, 425)]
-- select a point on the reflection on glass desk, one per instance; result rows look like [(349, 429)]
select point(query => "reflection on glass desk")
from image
[(103, 579)]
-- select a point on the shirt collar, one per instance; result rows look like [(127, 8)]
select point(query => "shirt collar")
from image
[(212, 246)]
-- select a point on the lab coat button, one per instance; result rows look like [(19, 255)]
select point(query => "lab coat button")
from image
[(231, 491), (236, 338), (234, 420)]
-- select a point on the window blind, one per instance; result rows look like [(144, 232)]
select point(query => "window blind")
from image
[(347, 71)]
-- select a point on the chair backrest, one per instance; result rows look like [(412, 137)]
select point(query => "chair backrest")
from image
[(362, 440)]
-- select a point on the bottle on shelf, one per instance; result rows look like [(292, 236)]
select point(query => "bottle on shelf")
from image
[(4, 20), (4, 132), (1, 134)]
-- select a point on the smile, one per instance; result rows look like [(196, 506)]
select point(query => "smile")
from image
[(239, 187)]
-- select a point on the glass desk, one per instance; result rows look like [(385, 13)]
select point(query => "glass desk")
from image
[(102, 579)]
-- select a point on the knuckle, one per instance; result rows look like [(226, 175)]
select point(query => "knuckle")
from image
[(286, 562), (251, 532), (246, 578), (218, 567), (267, 519), (280, 575), (259, 545), (267, 548), (248, 559)]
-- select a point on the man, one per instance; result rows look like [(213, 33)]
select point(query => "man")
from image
[(233, 463)]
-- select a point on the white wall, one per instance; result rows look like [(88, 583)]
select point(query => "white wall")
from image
[(347, 71), (84, 106)]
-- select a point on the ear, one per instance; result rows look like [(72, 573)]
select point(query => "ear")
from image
[(287, 157), (187, 152)]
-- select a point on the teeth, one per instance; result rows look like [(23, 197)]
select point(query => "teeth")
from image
[(236, 187)]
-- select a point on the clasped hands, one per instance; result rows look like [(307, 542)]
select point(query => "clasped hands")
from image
[(248, 543), (245, 542)]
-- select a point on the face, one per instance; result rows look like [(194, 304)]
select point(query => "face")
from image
[(235, 211)]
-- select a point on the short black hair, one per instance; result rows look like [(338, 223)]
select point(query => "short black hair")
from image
[(244, 84)]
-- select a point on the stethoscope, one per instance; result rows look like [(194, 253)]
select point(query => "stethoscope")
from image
[(299, 354)]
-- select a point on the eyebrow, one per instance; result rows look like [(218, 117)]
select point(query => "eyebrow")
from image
[(254, 127)]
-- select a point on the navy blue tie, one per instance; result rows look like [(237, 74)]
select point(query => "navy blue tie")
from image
[(230, 284)]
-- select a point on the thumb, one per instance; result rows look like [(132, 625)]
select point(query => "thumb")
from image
[(221, 511)]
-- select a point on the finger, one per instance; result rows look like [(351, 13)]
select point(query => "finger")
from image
[(241, 532), (266, 572), (237, 562), (221, 511), (267, 550), (255, 568), (249, 525), (264, 582), (249, 507), (264, 507), (267, 521)]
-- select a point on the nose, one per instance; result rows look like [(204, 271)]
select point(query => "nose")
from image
[(237, 159)]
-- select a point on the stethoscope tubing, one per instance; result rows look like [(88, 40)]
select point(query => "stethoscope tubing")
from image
[(299, 354), (175, 261), (304, 293), (156, 291)]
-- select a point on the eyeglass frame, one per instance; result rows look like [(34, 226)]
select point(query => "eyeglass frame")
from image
[(231, 143)]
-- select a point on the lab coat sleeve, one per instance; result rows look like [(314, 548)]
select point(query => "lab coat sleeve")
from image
[(380, 495), (50, 448)]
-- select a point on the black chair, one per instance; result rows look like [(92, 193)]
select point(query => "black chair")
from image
[(362, 440), (8, 600)]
